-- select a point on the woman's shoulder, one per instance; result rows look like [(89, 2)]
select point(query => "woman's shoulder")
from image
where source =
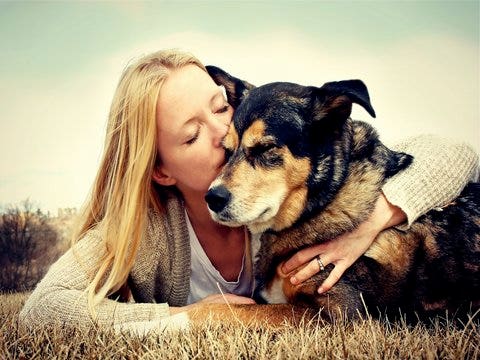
[(89, 247), (170, 212)]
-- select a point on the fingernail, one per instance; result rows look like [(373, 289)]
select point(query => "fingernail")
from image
[(293, 280), (320, 290)]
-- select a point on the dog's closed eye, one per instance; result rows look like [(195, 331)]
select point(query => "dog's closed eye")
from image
[(266, 154), (261, 148)]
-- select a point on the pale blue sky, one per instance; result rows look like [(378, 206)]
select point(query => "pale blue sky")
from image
[(60, 62), (39, 39)]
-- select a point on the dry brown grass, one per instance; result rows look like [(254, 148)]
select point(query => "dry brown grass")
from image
[(368, 339)]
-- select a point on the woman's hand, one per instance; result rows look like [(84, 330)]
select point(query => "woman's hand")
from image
[(345, 249), (214, 299)]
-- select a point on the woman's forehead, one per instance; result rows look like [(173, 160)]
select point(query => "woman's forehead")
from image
[(184, 93), (188, 79)]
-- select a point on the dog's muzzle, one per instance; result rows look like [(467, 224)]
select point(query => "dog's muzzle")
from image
[(217, 198)]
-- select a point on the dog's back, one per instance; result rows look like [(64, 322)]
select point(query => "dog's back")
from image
[(447, 263), (429, 269)]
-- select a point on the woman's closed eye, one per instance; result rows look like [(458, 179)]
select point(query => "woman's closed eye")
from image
[(191, 139), (223, 109)]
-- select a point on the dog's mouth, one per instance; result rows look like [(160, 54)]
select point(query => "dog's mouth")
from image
[(264, 212), (226, 217)]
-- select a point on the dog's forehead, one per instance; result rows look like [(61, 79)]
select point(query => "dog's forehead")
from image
[(279, 106)]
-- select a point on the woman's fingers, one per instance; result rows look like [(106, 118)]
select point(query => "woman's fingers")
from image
[(312, 268), (301, 257), (333, 277)]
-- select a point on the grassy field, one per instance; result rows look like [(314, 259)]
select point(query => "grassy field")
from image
[(368, 339)]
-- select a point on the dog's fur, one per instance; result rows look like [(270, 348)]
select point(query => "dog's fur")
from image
[(301, 171)]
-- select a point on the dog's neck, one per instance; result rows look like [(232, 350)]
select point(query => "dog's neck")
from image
[(351, 202)]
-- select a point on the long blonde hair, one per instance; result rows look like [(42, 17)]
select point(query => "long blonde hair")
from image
[(123, 190)]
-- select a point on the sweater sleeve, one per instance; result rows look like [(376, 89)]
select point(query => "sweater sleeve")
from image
[(61, 297), (440, 170)]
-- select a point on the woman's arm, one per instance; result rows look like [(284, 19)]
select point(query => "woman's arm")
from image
[(440, 170), (61, 296)]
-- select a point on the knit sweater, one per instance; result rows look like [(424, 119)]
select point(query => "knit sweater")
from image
[(161, 271)]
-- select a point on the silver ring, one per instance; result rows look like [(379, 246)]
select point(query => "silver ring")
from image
[(320, 263)]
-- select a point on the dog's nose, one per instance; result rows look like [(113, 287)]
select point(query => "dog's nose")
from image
[(217, 198)]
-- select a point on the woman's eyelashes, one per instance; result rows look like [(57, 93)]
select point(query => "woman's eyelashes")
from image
[(193, 138), (223, 109)]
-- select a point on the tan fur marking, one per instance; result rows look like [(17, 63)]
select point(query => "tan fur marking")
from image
[(392, 251), (289, 290), (431, 246), (231, 139), (359, 187), (296, 174), (258, 181), (248, 315), (249, 184), (428, 232), (356, 195), (354, 199), (254, 133), (291, 208)]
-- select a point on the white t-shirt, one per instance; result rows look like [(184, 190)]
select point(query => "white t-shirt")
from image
[(205, 277)]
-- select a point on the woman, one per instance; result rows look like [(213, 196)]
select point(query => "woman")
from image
[(146, 224)]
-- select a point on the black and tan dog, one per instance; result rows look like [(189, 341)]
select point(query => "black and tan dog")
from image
[(301, 171)]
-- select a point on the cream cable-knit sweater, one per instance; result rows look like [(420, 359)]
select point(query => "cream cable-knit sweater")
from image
[(160, 275)]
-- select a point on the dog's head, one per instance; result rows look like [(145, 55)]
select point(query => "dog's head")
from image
[(281, 145)]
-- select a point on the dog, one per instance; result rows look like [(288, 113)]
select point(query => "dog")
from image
[(301, 171)]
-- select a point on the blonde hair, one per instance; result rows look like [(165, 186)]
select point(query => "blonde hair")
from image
[(123, 190)]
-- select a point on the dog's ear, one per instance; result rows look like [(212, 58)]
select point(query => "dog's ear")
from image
[(334, 100), (236, 89)]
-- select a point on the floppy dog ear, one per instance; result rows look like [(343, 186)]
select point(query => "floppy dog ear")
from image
[(236, 89), (334, 100)]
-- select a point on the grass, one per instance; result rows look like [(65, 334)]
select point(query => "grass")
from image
[(367, 339)]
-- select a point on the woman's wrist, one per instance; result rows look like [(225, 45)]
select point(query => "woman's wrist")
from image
[(386, 215)]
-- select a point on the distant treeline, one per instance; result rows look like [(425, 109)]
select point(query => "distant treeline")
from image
[(29, 243)]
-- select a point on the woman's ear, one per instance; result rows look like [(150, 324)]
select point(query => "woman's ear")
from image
[(162, 178)]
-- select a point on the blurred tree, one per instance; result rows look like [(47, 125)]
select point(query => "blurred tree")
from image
[(28, 245)]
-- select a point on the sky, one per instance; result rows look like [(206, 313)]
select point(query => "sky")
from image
[(60, 63)]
